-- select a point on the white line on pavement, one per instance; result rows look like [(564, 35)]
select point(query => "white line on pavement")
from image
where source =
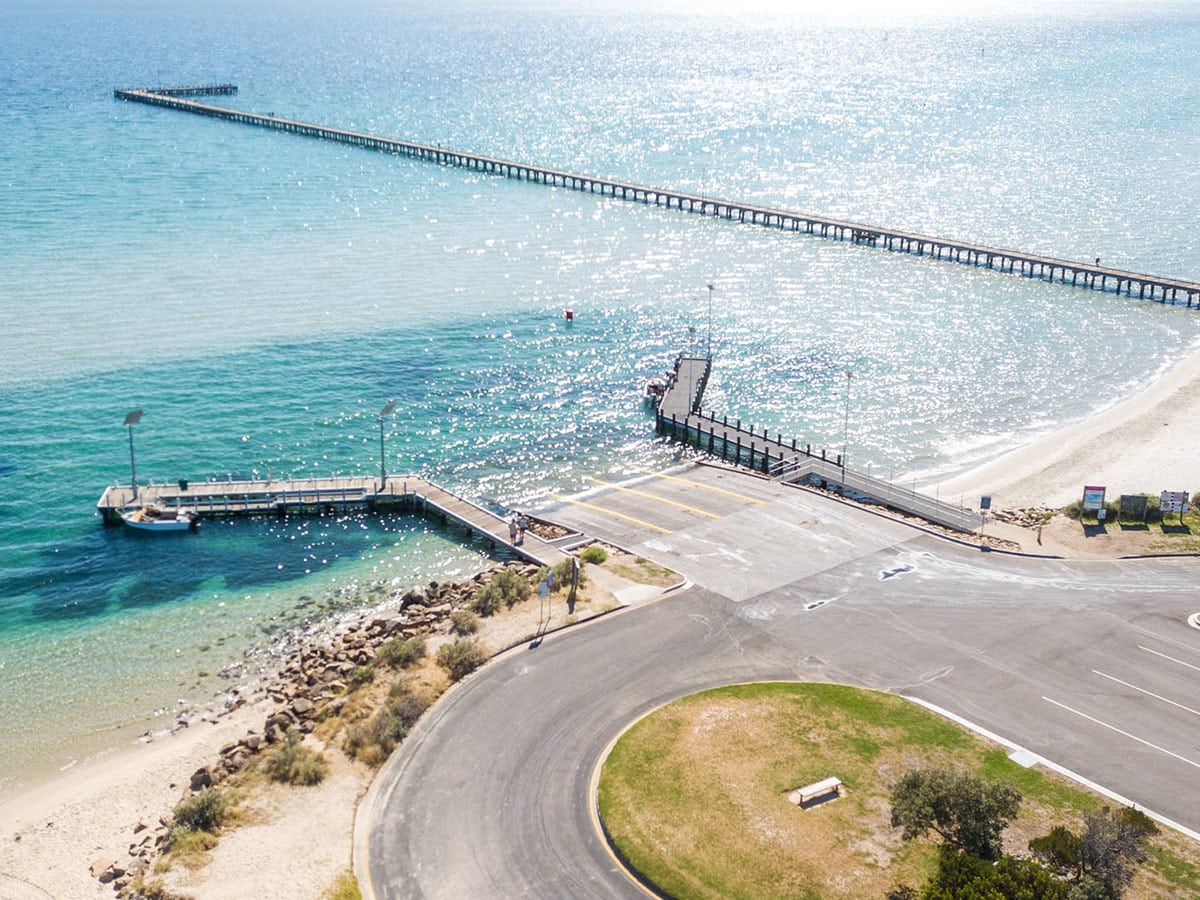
[(1171, 658), (1132, 737), (1054, 767), (1146, 692)]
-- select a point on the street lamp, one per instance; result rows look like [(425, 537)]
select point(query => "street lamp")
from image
[(691, 368), (846, 430), (383, 413), (130, 420)]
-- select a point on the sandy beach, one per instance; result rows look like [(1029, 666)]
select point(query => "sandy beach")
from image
[(1148, 443), (55, 832)]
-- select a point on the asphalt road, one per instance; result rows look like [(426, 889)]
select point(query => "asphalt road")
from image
[(1090, 665)]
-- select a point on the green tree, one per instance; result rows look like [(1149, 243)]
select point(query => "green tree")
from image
[(1101, 862), (966, 811), (961, 876)]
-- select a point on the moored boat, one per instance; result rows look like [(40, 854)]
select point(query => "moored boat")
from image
[(655, 388), (154, 517)]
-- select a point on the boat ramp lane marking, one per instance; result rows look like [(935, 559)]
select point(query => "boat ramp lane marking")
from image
[(708, 487), (655, 497), (613, 513)]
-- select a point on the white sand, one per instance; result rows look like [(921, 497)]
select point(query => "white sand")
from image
[(1144, 445), (90, 812)]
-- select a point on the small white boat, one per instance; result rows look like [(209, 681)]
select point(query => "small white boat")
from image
[(153, 517), (655, 388)]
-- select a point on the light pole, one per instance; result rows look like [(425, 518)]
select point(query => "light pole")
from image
[(710, 293), (383, 413), (130, 420), (846, 430), (691, 368)]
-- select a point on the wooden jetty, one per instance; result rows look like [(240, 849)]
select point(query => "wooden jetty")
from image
[(221, 499), (679, 417), (1030, 265)]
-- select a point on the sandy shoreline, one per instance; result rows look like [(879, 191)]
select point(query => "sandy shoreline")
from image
[(1147, 444), (56, 830)]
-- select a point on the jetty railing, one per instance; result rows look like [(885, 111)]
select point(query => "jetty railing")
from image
[(679, 418), (308, 496), (1030, 265)]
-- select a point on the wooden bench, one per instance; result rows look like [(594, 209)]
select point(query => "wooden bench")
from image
[(808, 793)]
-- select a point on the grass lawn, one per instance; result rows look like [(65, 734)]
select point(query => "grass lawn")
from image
[(694, 796)]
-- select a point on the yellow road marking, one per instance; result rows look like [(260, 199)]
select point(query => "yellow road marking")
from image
[(611, 512), (707, 487), (617, 487)]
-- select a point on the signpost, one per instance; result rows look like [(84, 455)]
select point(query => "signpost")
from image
[(1093, 497), (1133, 507), (1173, 501)]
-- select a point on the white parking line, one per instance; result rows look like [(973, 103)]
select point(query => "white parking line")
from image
[(1171, 658), (1134, 687), (1132, 737)]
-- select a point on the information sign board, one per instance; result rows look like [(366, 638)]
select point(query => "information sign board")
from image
[(1093, 497), (1133, 507), (1173, 501)]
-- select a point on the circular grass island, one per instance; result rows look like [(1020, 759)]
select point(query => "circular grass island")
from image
[(694, 797)]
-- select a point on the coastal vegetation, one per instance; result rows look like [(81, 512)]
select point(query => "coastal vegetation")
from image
[(401, 653), (506, 588), (372, 740), (461, 658), (694, 797), (344, 887), (293, 763), (594, 554), (464, 622), (196, 825)]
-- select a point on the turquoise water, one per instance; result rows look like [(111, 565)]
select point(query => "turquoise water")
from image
[(261, 296)]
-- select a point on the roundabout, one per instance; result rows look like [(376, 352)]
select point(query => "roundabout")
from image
[(490, 796)]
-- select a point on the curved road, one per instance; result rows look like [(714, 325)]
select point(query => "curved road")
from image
[(1091, 665)]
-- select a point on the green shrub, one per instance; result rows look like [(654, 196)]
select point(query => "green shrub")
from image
[(461, 658), (464, 621), (370, 742), (362, 675), (293, 763), (203, 811), (564, 573), (344, 887), (401, 653), (507, 587), (594, 554), (195, 821)]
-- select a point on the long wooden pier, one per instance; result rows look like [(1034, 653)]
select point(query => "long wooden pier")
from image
[(1030, 265), (680, 418), (222, 499)]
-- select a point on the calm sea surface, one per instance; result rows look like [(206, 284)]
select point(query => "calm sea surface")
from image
[(261, 296)]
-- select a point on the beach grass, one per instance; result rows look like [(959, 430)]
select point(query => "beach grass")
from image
[(695, 796)]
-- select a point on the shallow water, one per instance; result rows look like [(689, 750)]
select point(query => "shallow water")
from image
[(261, 296)]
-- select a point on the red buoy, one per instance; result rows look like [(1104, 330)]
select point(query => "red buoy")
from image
[(570, 314)]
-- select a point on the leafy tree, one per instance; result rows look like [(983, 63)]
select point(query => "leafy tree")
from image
[(1059, 849), (963, 809), (1101, 862), (961, 876)]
